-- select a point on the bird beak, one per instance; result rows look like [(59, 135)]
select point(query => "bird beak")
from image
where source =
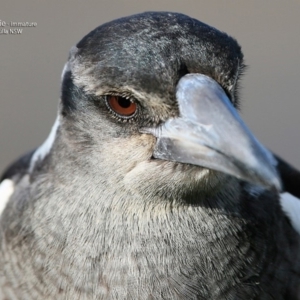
[(210, 133)]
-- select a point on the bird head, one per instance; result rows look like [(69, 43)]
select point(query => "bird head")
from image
[(154, 96)]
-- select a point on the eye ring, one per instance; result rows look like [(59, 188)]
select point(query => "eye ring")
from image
[(122, 107)]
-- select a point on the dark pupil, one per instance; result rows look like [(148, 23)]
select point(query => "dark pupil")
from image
[(124, 102)]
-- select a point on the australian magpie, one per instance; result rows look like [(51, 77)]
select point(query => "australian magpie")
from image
[(150, 185)]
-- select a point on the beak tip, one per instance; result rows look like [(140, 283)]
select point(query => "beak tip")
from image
[(272, 182)]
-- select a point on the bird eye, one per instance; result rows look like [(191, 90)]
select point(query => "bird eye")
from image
[(121, 106)]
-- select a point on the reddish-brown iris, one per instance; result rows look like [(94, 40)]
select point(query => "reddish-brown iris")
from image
[(121, 106)]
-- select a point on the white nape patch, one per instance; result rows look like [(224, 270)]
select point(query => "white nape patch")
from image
[(291, 207), (6, 190), (41, 152), (65, 69)]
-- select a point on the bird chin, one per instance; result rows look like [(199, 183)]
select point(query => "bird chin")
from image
[(194, 172)]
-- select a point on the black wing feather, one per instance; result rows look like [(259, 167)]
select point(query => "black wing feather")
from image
[(290, 177), (19, 167)]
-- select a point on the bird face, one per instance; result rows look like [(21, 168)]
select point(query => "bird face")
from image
[(154, 95)]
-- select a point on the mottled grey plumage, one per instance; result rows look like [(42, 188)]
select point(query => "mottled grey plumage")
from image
[(99, 218)]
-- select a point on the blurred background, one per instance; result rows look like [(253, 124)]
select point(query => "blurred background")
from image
[(31, 63)]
